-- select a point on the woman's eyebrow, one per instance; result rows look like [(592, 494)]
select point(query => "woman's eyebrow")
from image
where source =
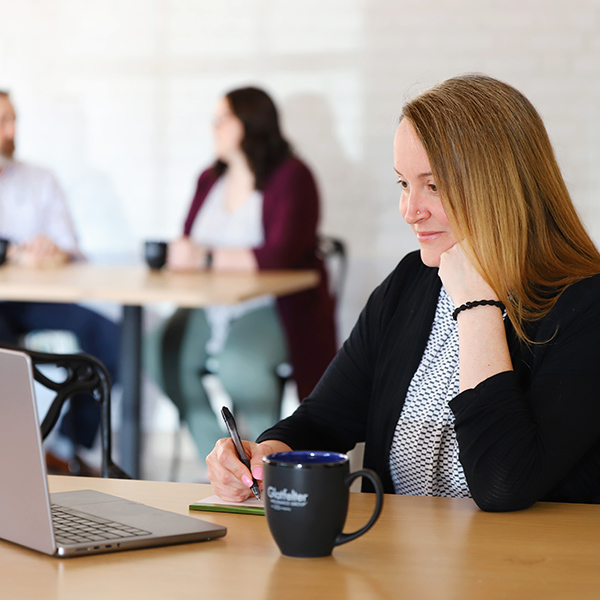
[(420, 175)]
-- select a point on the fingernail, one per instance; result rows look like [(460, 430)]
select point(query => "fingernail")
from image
[(247, 481), (257, 472)]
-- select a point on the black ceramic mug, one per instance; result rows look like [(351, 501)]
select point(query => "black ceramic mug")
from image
[(306, 501), (4, 244), (155, 254)]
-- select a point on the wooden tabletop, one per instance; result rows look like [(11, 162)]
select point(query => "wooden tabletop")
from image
[(430, 548), (138, 285)]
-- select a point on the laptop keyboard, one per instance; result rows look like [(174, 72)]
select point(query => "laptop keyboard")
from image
[(75, 527)]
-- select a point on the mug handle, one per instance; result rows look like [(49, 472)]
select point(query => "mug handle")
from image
[(374, 478)]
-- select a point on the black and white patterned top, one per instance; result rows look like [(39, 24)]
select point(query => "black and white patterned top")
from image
[(424, 454)]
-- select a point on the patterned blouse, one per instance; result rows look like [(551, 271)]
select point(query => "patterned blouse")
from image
[(424, 454)]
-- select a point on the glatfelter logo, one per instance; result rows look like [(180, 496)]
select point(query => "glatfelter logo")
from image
[(286, 500)]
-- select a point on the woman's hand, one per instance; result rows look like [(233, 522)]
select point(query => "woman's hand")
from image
[(483, 349), (184, 255), (230, 479), (460, 278)]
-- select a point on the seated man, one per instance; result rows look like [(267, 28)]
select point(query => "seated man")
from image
[(35, 218)]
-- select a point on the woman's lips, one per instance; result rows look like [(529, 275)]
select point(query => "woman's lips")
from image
[(427, 236)]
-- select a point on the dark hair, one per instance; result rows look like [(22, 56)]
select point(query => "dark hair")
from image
[(264, 146), (4, 93)]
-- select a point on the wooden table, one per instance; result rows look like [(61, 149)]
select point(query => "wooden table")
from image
[(134, 287), (421, 548)]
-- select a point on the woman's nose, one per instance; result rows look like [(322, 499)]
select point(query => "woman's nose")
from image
[(411, 208)]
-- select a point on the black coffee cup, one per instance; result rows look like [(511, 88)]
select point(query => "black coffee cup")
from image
[(306, 501), (155, 254), (4, 243)]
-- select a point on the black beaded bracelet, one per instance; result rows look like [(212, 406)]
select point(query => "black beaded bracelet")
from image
[(475, 303)]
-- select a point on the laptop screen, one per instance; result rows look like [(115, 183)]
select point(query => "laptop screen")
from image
[(25, 515)]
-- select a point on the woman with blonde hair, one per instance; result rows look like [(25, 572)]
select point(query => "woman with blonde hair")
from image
[(473, 370)]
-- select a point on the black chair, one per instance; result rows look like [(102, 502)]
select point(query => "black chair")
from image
[(84, 374), (332, 251)]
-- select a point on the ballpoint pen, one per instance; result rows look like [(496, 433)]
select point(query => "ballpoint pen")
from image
[(235, 436)]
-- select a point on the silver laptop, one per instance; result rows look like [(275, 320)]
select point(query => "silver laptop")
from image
[(67, 523)]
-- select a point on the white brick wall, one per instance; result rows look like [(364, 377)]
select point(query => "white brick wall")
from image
[(116, 97)]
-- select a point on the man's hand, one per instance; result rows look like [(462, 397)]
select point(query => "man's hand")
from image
[(40, 252)]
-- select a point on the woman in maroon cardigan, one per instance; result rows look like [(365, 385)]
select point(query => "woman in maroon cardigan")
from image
[(257, 208)]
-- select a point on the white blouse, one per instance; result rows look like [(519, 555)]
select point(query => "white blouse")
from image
[(217, 227)]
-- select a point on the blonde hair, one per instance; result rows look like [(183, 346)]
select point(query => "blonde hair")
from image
[(503, 192)]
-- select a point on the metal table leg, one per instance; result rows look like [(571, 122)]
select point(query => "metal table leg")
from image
[(130, 440)]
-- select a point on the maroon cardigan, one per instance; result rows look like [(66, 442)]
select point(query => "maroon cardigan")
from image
[(290, 220)]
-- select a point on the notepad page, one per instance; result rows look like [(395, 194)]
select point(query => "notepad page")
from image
[(215, 500)]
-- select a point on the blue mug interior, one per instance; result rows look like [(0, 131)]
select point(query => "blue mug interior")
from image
[(306, 458)]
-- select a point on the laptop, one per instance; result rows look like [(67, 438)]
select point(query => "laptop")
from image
[(68, 524)]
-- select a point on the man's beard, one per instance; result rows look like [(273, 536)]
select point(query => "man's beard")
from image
[(7, 149)]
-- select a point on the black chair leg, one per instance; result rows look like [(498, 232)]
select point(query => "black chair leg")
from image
[(176, 460)]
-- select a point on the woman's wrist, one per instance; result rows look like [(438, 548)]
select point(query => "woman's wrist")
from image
[(208, 258), (476, 303)]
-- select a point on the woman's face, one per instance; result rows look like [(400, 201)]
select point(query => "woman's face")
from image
[(420, 203), (228, 132)]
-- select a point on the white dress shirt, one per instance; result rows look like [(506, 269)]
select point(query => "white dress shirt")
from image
[(31, 204)]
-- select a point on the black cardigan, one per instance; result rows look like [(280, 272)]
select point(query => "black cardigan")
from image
[(524, 435)]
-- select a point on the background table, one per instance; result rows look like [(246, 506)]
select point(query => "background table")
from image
[(421, 548), (134, 287)]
